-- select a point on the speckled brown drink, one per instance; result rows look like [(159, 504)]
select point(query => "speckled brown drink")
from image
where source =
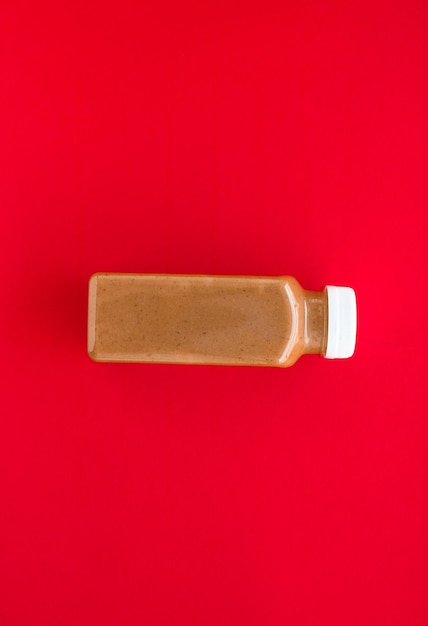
[(218, 320)]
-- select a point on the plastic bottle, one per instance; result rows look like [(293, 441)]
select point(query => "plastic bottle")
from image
[(216, 320)]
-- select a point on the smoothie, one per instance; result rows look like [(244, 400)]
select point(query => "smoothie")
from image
[(218, 320)]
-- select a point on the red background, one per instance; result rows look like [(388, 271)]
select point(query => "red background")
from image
[(213, 137)]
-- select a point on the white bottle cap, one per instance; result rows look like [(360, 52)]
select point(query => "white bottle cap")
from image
[(342, 322)]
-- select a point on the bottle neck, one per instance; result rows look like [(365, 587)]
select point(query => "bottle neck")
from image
[(315, 322)]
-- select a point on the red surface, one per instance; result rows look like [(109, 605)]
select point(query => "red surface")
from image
[(219, 137)]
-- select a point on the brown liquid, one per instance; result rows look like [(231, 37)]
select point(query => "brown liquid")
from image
[(222, 320)]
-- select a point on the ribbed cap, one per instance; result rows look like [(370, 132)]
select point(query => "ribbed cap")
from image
[(342, 322)]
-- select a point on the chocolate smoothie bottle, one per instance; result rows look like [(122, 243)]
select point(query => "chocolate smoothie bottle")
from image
[(216, 320)]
